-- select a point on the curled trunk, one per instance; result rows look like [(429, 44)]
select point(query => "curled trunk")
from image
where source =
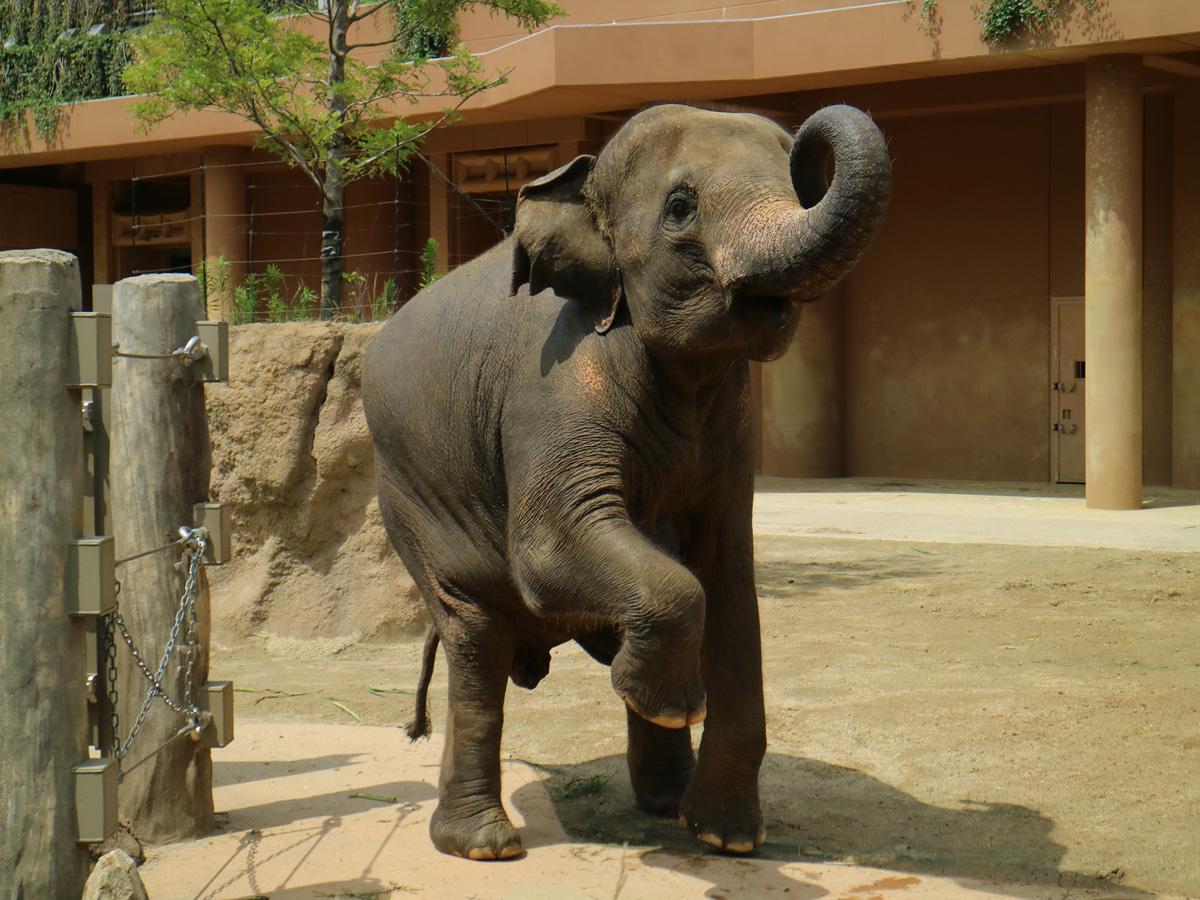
[(813, 244)]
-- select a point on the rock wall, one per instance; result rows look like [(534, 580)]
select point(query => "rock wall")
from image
[(292, 454)]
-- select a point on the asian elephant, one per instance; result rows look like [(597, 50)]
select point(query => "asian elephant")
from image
[(562, 431)]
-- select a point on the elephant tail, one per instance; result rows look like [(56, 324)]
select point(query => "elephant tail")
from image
[(419, 726)]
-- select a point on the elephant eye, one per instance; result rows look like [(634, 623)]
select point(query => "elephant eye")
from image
[(681, 206)]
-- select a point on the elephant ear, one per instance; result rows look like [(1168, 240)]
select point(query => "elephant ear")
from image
[(557, 245)]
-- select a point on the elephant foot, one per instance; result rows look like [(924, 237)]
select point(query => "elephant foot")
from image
[(648, 689), (486, 834), (731, 824)]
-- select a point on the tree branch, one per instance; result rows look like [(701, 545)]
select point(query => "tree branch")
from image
[(366, 14)]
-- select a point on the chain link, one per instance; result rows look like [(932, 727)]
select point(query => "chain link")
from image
[(109, 624), (195, 543)]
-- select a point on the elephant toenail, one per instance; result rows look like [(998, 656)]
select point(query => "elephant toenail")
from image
[(671, 720)]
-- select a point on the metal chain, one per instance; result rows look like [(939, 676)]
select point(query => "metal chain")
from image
[(193, 643), (109, 624), (196, 542)]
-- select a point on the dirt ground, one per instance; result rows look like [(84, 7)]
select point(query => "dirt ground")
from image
[(972, 711)]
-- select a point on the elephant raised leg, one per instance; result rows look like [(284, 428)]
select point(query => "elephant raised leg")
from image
[(611, 576)]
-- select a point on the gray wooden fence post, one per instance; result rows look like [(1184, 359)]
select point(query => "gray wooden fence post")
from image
[(161, 459), (43, 707)]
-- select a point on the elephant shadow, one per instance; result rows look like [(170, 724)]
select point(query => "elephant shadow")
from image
[(817, 812)]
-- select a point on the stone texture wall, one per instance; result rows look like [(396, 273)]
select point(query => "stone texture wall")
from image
[(292, 454)]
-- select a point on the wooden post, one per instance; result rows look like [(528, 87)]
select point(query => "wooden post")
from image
[(160, 454), (43, 714)]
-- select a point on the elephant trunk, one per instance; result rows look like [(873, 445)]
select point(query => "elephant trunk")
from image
[(805, 249)]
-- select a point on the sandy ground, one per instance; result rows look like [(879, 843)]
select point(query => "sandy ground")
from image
[(958, 716)]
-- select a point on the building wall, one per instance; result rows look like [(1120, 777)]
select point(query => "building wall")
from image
[(947, 320), (38, 217)]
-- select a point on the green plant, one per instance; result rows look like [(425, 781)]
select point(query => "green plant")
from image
[(1005, 19), (245, 300), (213, 275), (272, 285), (52, 52), (358, 290), (429, 272), (385, 301), (277, 309), (302, 306)]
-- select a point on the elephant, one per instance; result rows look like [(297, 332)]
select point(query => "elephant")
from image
[(563, 439)]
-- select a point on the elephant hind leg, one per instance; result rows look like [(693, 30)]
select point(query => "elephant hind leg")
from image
[(470, 820)]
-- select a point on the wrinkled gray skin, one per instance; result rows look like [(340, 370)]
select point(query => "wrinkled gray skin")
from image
[(563, 442)]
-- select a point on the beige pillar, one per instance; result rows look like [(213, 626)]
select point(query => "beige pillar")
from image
[(225, 223), (1113, 283), (802, 398), (1185, 331)]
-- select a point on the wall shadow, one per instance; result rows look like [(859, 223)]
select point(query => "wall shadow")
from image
[(818, 812)]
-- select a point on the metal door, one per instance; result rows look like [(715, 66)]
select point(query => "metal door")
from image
[(1068, 372)]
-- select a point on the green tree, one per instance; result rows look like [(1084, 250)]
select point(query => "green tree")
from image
[(318, 104)]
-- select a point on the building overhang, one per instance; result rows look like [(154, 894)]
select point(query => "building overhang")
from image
[(596, 68)]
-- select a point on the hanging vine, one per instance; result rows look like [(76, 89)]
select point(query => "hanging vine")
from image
[(60, 51), (1001, 20), (55, 52)]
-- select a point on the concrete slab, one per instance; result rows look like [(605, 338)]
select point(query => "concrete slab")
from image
[(343, 811), (973, 512)]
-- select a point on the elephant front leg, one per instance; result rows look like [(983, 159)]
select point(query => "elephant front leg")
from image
[(470, 820), (721, 804), (660, 764), (612, 576)]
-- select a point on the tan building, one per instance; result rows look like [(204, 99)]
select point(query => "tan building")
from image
[(1041, 257)]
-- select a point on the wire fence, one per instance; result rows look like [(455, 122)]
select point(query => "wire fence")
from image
[(388, 253)]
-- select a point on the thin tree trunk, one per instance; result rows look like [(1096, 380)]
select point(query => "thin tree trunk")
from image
[(331, 242), (335, 180)]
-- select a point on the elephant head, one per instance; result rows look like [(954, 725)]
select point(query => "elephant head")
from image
[(712, 227)]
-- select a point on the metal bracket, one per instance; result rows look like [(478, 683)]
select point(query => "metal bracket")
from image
[(95, 800), (218, 699), (216, 519), (91, 350), (214, 337), (92, 576)]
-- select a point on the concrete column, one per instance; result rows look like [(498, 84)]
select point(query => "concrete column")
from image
[(225, 222), (802, 398), (1185, 332), (1113, 282)]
